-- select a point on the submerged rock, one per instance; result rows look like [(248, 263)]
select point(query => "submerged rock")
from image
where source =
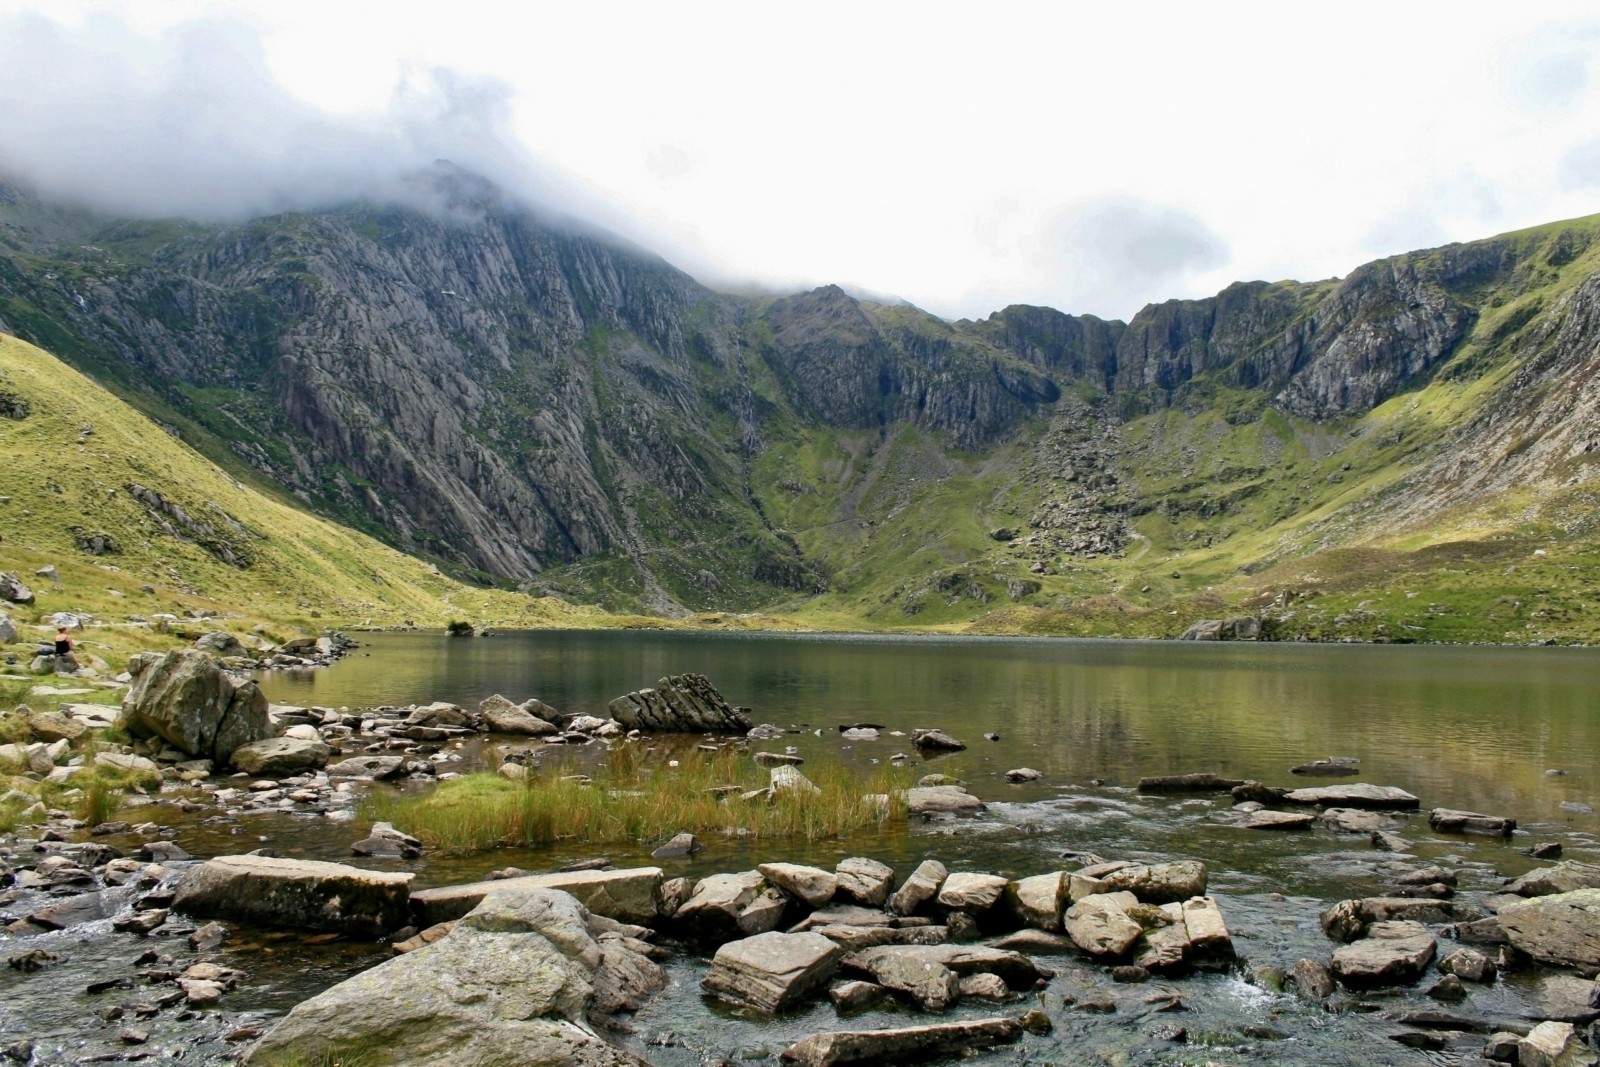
[(1197, 782), (1392, 953)]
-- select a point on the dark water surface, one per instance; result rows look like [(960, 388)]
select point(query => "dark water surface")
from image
[(1473, 728)]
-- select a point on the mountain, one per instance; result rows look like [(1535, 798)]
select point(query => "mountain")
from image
[(529, 403), (134, 520)]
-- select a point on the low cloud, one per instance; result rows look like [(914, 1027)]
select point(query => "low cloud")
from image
[(191, 122), (1120, 253)]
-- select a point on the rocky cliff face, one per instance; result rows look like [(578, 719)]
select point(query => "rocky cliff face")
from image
[(480, 385)]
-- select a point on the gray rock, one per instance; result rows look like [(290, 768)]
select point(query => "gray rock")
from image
[(935, 740), (972, 892), (1348, 919), (1196, 782), (1099, 924), (188, 701), (1038, 901), (786, 778), (856, 996), (49, 726), (680, 845), (1554, 1044), (1023, 774), (900, 1045), (8, 630), (277, 757), (1469, 965), (503, 717), (1312, 980), (13, 589), (1448, 820), (1159, 883), (921, 887), (684, 703), (219, 643), (1279, 820), (375, 767), (1567, 999), (810, 885), (302, 893), (1328, 768), (1564, 877), (1354, 795), (513, 985), (1392, 953), (1357, 821), (772, 971), (937, 799), (1563, 928), (627, 895), (865, 881), (712, 911)]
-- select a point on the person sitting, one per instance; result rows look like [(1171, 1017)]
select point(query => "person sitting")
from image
[(64, 651)]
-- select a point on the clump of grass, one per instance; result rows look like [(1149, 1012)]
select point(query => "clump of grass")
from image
[(324, 1058), (640, 800)]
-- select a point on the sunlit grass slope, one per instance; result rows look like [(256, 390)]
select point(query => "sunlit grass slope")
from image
[(136, 522)]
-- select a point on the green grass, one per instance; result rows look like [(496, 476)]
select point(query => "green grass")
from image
[(636, 800)]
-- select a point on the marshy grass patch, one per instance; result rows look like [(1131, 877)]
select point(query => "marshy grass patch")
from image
[(638, 798)]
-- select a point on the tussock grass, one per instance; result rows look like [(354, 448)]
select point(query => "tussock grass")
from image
[(639, 799)]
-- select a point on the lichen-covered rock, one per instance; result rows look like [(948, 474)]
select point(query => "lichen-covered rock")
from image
[(275, 757), (683, 703), (187, 700), (1562, 928), (515, 984)]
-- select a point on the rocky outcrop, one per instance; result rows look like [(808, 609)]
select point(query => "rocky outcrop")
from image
[(1238, 628), (684, 703), (517, 983), (308, 894), (186, 699)]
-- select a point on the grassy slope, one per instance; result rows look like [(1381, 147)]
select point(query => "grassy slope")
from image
[(1243, 506), (304, 571)]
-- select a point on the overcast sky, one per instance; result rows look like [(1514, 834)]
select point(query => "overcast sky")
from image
[(961, 156)]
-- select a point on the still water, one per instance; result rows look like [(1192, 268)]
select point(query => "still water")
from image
[(1474, 728)]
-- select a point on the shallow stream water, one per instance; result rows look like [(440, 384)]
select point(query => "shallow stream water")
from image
[(1473, 728)]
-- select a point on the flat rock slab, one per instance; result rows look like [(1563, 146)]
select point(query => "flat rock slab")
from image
[(1357, 821), (934, 799), (626, 895), (309, 894), (1332, 768), (1564, 877), (772, 971), (901, 1045), (1199, 782), (1099, 924), (275, 757), (1451, 821), (1563, 928), (1279, 820), (812, 885), (1354, 795), (971, 892), (1392, 953)]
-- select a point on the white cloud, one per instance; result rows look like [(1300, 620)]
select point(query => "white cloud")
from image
[(962, 157)]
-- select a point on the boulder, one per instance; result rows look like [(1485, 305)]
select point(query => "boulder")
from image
[(1014, 968), (1354, 795), (219, 643), (713, 910), (308, 894), (278, 757), (1469, 965), (515, 984), (1564, 877), (1392, 953), (1554, 1044), (811, 885), (13, 589), (1196, 782), (1099, 924), (901, 1044), (1037, 902), (1159, 883), (375, 767), (627, 895), (442, 713), (1563, 928), (772, 971), (501, 716), (972, 892), (786, 778), (1448, 820), (1279, 820), (921, 887), (48, 726), (187, 700), (679, 704), (935, 741), (8, 629), (864, 881), (938, 799)]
